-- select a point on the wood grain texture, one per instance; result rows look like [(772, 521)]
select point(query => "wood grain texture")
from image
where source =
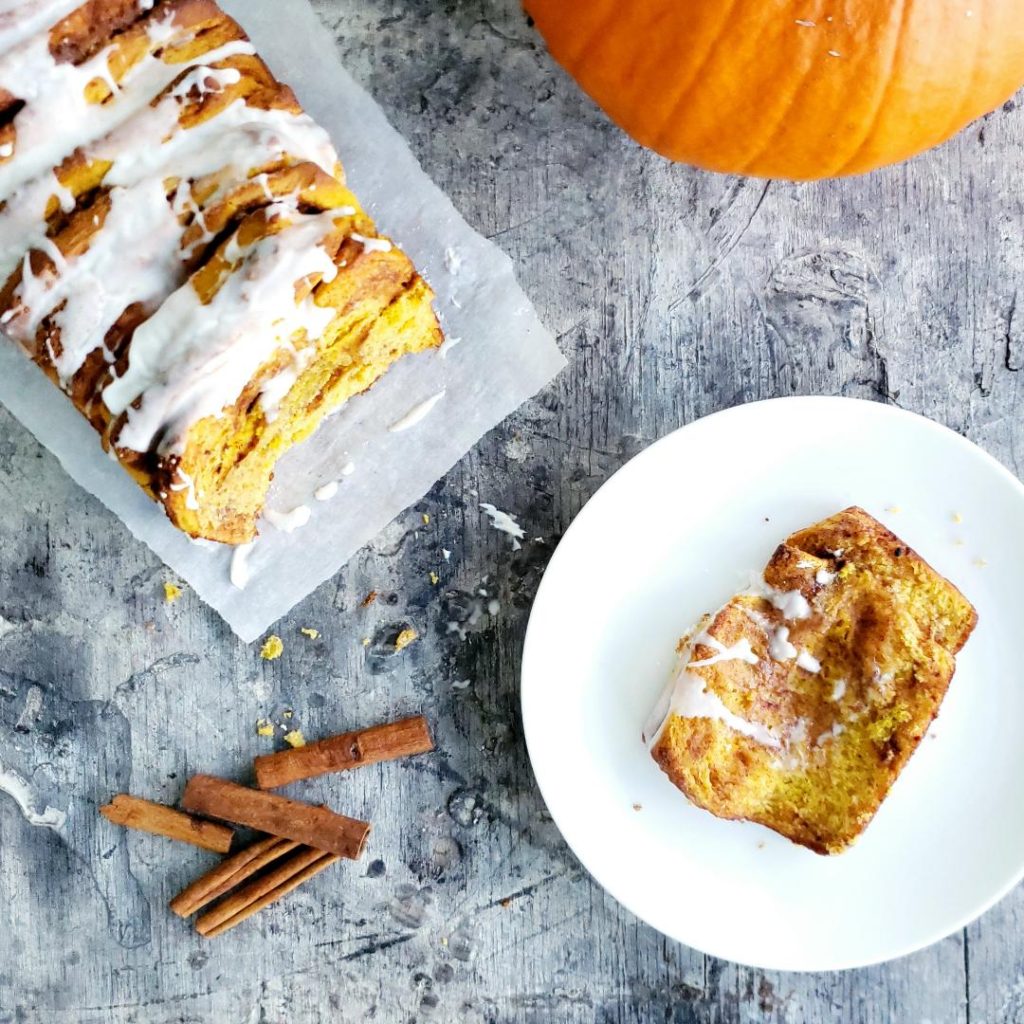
[(674, 294)]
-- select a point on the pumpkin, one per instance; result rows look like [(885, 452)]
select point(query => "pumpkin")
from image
[(789, 88)]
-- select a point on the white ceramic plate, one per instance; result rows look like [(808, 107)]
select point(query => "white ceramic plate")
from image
[(673, 534)]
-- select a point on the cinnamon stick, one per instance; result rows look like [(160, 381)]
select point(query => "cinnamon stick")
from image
[(229, 873), (349, 750), (147, 816), (263, 891), (291, 819)]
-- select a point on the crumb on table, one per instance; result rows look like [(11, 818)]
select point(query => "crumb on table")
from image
[(264, 727), (313, 634), (369, 599), (405, 638), (294, 738), (273, 647), (434, 578), (171, 592)]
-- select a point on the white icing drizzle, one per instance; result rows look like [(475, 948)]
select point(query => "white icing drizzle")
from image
[(371, 244), (837, 730), (238, 137), (240, 573), (808, 662), (739, 651), (326, 491), (658, 718), (838, 689), (791, 603), (780, 649), (288, 522), (791, 760), (416, 413), (57, 118), (263, 180), (204, 79), (779, 646), (163, 31), (452, 260), (186, 483), (191, 360), (447, 345), (505, 523), (16, 787), (152, 143), (276, 389), (687, 696), (132, 259), (65, 197), (756, 617), (823, 577)]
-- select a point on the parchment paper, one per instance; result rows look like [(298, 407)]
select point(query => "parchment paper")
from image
[(504, 356)]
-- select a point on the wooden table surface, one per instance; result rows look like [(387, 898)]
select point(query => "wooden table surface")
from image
[(674, 293)]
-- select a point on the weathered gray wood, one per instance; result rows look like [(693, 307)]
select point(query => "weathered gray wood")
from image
[(675, 294)]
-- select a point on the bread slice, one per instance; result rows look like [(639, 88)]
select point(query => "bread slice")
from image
[(798, 703)]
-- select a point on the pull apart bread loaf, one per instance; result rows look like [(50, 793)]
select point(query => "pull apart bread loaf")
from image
[(179, 250), (798, 703)]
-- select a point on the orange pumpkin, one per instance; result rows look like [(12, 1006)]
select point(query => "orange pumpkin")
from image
[(784, 88)]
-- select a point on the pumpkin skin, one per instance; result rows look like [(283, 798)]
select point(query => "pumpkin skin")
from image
[(780, 88)]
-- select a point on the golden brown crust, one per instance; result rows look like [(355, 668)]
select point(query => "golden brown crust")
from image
[(86, 29), (884, 628)]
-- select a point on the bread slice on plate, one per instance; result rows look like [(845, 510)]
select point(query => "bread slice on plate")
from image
[(798, 703)]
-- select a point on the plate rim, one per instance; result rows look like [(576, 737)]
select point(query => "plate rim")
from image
[(526, 703)]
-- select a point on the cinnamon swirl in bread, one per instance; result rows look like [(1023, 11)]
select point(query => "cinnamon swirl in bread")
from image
[(180, 253)]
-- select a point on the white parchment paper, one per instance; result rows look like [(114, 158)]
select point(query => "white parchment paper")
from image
[(503, 357)]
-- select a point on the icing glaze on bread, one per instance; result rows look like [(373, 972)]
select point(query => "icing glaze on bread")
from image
[(180, 253)]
